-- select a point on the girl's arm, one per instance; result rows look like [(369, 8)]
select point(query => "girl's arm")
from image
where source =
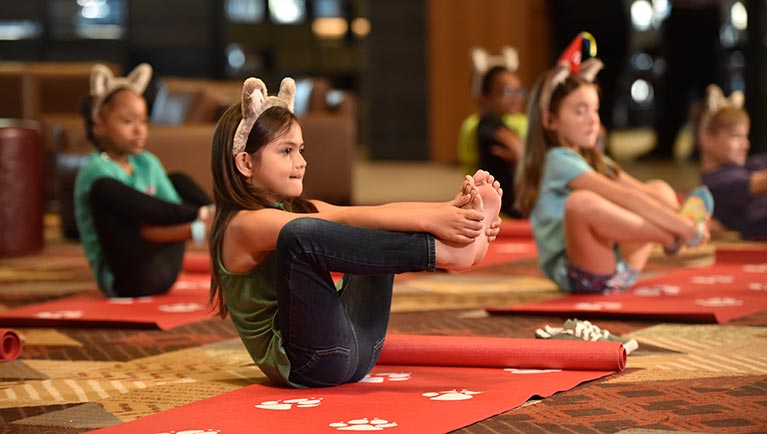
[(445, 220), (636, 201), (251, 235), (758, 183), (177, 232), (629, 181)]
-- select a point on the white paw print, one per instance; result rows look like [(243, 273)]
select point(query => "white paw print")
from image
[(60, 314), (383, 376), (129, 300), (712, 280), (287, 404), (181, 307), (530, 371), (599, 305), (364, 424), (719, 302), (192, 431), (755, 268), (656, 290), (186, 284), (451, 395)]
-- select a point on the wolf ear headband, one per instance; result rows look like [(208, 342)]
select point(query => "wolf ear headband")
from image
[(715, 101), (255, 101), (104, 83), (484, 61), (570, 63)]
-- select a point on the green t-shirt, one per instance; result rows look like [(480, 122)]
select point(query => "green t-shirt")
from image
[(468, 148), (148, 177), (251, 298), (252, 302)]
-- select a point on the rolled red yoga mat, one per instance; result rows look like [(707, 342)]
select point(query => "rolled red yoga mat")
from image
[(502, 353), (10, 345)]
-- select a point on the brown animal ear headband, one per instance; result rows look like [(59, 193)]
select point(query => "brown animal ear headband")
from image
[(256, 101), (570, 63), (104, 83), (484, 61), (715, 101)]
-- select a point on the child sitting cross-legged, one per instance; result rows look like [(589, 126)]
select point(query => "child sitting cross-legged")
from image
[(737, 181)]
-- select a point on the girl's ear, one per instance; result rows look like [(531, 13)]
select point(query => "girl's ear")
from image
[(547, 120), (244, 164)]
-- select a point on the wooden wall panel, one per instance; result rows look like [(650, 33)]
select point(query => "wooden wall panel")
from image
[(453, 26)]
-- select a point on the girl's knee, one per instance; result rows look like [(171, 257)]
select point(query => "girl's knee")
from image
[(296, 229), (581, 202), (662, 189)]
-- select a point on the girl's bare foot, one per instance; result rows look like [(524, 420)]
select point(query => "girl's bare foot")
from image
[(486, 198)]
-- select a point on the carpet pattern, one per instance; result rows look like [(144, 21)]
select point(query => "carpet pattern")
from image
[(683, 378)]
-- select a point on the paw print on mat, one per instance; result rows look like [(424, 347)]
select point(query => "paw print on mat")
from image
[(191, 284), (288, 404), (383, 376), (451, 395), (60, 314), (129, 300), (530, 371), (719, 302), (712, 280), (192, 431), (656, 290), (181, 307), (600, 305), (755, 268), (363, 424)]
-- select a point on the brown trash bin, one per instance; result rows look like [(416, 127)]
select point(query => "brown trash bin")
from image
[(21, 187)]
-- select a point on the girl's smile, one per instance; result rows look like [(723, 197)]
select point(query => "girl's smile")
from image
[(280, 165)]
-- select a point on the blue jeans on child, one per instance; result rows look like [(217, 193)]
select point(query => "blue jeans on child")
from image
[(335, 336)]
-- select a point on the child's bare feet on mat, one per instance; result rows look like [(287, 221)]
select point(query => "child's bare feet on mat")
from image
[(485, 197), (490, 196)]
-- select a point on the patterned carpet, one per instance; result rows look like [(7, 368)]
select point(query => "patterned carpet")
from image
[(683, 377)]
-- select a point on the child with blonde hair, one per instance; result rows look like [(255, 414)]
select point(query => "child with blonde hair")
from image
[(273, 251), (594, 224), (737, 182)]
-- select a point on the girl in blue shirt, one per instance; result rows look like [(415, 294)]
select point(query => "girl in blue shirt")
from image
[(594, 224)]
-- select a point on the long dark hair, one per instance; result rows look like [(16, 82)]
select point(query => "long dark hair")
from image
[(231, 190), (540, 140)]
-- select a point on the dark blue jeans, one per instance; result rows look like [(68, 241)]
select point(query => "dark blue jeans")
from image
[(333, 337)]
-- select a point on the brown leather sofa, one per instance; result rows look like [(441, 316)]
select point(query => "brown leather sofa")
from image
[(181, 131)]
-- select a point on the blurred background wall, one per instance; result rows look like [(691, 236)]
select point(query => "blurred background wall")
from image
[(407, 60)]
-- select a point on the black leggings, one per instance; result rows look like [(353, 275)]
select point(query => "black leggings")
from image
[(141, 267)]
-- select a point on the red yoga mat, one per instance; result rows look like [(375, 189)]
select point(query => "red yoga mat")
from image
[(403, 398), (10, 345), (515, 228), (489, 352), (733, 287), (187, 302)]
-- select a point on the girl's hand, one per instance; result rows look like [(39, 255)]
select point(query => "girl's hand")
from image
[(493, 231), (455, 225)]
